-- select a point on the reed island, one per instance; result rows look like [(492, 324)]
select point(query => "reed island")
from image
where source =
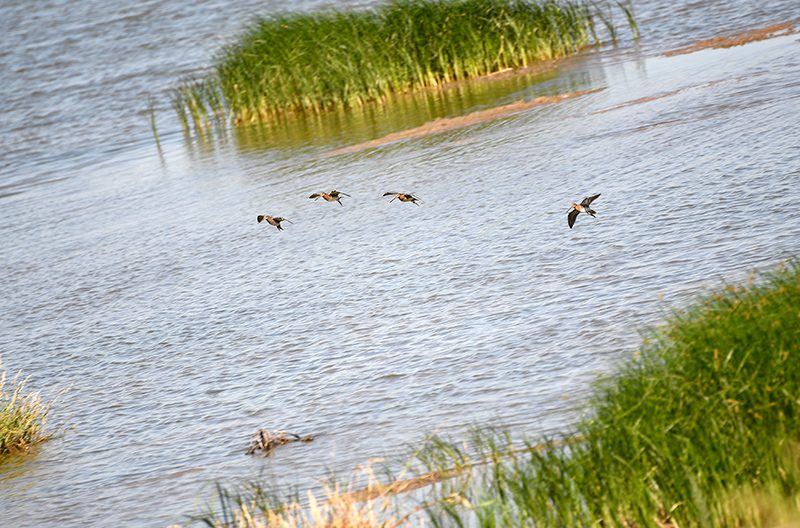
[(301, 63)]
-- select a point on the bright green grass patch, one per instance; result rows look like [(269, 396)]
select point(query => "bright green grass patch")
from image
[(299, 63), (23, 417), (701, 429)]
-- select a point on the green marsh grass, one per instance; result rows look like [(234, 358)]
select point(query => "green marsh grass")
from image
[(701, 429), (23, 417), (310, 63)]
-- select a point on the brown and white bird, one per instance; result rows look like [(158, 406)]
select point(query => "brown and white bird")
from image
[(333, 196), (403, 197), (276, 221), (582, 207)]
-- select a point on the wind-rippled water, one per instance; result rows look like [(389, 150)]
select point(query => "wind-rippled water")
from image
[(141, 280)]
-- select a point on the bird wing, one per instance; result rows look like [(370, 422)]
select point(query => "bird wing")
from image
[(315, 195), (389, 194), (261, 218), (590, 199), (571, 217), (337, 193)]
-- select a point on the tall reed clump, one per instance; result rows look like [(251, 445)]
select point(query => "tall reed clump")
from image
[(299, 63), (23, 417), (702, 429)]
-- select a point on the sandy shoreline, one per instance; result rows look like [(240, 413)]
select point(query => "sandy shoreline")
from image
[(736, 40), (442, 124)]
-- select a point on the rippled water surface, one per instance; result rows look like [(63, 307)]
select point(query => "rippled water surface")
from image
[(140, 279)]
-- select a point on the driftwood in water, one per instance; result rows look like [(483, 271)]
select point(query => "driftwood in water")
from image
[(266, 441), (374, 491)]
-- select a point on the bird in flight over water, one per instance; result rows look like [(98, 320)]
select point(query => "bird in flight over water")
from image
[(333, 196), (582, 207), (403, 197), (276, 221)]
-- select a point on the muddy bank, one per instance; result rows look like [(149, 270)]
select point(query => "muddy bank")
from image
[(736, 40), (443, 124)]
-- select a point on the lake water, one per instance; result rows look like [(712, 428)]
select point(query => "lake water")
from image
[(140, 280)]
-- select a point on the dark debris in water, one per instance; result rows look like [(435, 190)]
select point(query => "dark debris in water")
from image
[(266, 441)]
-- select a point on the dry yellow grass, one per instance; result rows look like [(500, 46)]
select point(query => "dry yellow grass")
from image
[(342, 507), (23, 417)]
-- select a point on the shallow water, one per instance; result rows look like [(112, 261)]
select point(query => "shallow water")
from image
[(141, 280)]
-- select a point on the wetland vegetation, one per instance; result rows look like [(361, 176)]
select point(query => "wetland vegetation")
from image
[(23, 417), (308, 63), (700, 428)]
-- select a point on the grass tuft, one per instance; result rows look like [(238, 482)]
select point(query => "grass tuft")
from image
[(23, 417)]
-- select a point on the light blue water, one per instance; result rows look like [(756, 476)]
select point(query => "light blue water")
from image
[(141, 280)]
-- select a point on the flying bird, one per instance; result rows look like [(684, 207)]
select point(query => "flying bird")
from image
[(403, 197), (333, 196), (276, 221), (582, 207)]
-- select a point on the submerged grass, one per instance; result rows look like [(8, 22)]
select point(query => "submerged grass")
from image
[(299, 63), (701, 429), (23, 417), (151, 110)]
